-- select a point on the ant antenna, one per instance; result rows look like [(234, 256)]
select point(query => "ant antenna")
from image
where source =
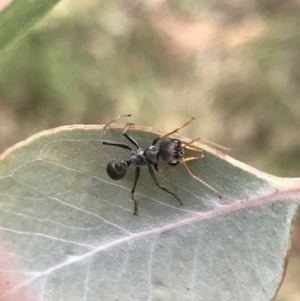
[(173, 132), (211, 143)]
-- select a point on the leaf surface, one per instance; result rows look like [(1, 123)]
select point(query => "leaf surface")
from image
[(68, 232), (19, 16)]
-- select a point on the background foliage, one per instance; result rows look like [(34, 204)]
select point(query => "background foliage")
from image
[(234, 65)]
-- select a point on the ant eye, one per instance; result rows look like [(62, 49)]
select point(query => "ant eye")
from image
[(116, 169)]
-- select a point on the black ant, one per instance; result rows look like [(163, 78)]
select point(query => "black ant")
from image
[(170, 152)]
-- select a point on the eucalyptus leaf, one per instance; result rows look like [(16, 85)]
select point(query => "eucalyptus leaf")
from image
[(68, 231), (19, 16)]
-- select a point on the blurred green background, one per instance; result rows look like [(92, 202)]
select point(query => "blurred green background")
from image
[(232, 64)]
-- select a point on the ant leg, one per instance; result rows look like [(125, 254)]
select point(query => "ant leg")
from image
[(136, 177), (122, 145), (161, 187), (105, 142), (164, 168), (172, 132), (104, 128), (129, 138), (200, 180), (187, 159)]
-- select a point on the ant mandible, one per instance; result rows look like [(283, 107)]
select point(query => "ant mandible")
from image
[(169, 151)]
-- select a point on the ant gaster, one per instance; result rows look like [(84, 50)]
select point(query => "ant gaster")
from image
[(170, 152)]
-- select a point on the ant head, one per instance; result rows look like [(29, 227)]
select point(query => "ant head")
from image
[(116, 169)]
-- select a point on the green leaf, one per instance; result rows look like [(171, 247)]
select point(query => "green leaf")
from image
[(68, 232), (19, 17)]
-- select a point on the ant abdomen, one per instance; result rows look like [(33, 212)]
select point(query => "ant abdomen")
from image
[(116, 169)]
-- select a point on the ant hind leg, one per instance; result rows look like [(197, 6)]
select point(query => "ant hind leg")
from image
[(105, 127)]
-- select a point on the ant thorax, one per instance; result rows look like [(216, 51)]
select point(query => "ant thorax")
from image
[(152, 154), (138, 158)]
